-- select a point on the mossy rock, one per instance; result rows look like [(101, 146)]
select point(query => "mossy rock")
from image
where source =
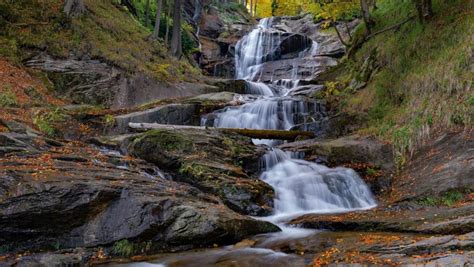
[(223, 164)]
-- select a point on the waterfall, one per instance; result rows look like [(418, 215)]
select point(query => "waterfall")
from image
[(300, 186), (303, 187)]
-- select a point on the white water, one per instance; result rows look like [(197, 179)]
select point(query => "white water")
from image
[(306, 187), (300, 186)]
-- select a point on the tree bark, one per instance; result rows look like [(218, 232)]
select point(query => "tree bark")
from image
[(373, 3), (147, 13), (339, 35), (74, 8), (176, 48), (167, 32), (255, 7), (156, 30), (130, 7), (424, 8), (366, 16), (251, 8)]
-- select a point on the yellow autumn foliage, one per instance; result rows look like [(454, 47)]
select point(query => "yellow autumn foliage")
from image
[(321, 9)]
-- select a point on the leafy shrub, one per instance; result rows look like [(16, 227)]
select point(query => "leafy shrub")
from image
[(123, 248), (45, 121), (8, 98), (448, 198)]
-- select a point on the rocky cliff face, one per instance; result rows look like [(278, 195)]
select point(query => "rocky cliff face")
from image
[(218, 27), (219, 32), (60, 195)]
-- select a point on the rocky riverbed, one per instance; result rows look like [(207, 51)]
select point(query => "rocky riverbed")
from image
[(100, 193)]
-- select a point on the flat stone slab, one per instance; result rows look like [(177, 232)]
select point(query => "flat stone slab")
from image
[(179, 114)]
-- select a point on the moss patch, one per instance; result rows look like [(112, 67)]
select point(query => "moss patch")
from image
[(424, 76), (106, 31)]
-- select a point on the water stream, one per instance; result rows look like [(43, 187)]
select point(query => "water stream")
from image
[(300, 186)]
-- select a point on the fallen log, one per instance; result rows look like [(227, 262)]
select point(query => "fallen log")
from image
[(252, 133)]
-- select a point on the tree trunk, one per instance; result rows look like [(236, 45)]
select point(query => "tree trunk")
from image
[(373, 3), (167, 32), (424, 8), (274, 7), (428, 6), (156, 30), (130, 7), (74, 8), (176, 48), (255, 8), (339, 34), (251, 8), (147, 13), (366, 16)]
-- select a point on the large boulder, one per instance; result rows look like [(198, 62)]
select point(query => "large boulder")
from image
[(370, 157), (220, 163), (51, 200), (446, 164), (353, 148)]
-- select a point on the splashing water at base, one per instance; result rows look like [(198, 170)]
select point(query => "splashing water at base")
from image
[(306, 187)]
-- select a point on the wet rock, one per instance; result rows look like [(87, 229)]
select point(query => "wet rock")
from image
[(18, 127), (328, 42), (211, 24), (306, 68), (14, 142), (88, 204), (222, 164), (229, 85), (307, 90), (354, 148), (178, 114), (220, 29), (292, 44), (442, 220)]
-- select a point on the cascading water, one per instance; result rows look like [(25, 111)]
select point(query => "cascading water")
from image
[(303, 186), (300, 186)]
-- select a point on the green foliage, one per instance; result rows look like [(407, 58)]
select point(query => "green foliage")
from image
[(109, 121), (195, 170), (448, 198), (424, 76), (333, 10), (370, 171), (8, 97), (123, 248), (107, 32), (46, 121)]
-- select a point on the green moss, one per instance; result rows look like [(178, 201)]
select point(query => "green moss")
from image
[(109, 121), (195, 170), (8, 97), (448, 198), (168, 140), (424, 75), (106, 32), (370, 171)]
